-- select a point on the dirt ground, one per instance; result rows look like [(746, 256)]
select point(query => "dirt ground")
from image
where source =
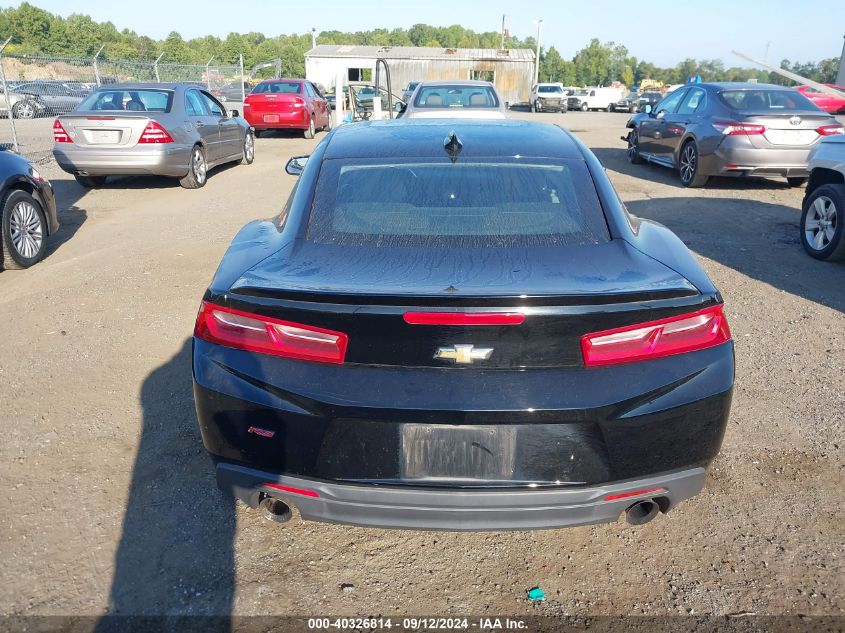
[(108, 500)]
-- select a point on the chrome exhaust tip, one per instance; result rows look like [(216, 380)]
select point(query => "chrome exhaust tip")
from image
[(279, 511), (642, 512)]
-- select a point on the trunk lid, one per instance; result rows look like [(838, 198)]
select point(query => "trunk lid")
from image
[(563, 293), (275, 102), (105, 130), (796, 128)]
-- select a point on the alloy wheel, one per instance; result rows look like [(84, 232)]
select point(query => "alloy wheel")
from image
[(633, 146), (198, 166), (24, 110), (820, 224), (26, 229), (689, 159), (249, 148)]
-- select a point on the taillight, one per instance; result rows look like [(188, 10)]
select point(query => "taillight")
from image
[(734, 128), (59, 134), (464, 318), (831, 130), (154, 133), (297, 103), (655, 339), (257, 333)]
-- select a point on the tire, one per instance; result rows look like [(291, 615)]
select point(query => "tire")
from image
[(584, 107), (688, 164), (328, 127), (823, 223), (23, 110), (533, 107), (611, 108), (197, 174), (91, 182), (634, 148), (258, 133), (564, 110), (248, 153), (24, 230), (796, 181), (311, 131)]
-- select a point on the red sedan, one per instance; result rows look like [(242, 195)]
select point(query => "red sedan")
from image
[(287, 103), (826, 102)]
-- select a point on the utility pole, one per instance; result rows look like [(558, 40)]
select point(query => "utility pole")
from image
[(840, 77), (537, 60), (502, 46)]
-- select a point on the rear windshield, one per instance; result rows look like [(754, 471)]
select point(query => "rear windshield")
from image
[(557, 89), (287, 87), (765, 100), (145, 100), (456, 97), (432, 202)]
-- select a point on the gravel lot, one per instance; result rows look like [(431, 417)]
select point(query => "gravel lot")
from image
[(108, 499)]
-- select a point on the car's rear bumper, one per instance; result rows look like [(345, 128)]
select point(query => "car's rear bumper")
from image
[(474, 509), (742, 159), (163, 160)]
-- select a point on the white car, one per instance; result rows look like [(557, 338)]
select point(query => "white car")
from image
[(823, 211), (596, 99), (455, 100), (547, 97)]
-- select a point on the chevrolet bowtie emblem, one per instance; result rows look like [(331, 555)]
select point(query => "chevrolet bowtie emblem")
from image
[(464, 354)]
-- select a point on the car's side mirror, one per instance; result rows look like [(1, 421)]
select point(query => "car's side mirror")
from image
[(661, 114), (235, 114), (296, 165), (647, 108), (399, 106)]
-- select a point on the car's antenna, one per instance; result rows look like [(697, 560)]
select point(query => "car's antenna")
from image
[(453, 146)]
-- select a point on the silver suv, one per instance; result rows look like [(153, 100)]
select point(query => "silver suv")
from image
[(823, 211)]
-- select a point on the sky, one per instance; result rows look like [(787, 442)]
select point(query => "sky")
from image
[(663, 32)]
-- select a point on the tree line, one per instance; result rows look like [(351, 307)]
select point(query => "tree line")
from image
[(35, 31)]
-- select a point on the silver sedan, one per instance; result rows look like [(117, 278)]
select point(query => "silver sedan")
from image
[(455, 100), (177, 130)]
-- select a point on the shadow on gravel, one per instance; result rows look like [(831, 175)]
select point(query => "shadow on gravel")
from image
[(757, 239), (175, 556), (615, 158), (71, 216)]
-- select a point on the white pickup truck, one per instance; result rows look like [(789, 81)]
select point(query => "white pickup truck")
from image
[(823, 211)]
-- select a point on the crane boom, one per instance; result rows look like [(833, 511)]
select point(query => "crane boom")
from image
[(791, 75)]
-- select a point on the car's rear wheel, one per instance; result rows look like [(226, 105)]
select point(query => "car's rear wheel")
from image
[(584, 107), (197, 171), (796, 181), (688, 166), (249, 149), (24, 231), (611, 107), (823, 223), (328, 126), (634, 148), (309, 133), (23, 110)]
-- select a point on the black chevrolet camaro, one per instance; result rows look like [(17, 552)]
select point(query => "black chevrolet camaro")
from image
[(457, 325)]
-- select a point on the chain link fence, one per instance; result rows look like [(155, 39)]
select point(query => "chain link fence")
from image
[(36, 89)]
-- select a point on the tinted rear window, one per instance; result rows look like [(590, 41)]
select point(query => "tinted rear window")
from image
[(765, 100), (275, 87), (556, 89), (145, 100), (427, 202), (456, 97)]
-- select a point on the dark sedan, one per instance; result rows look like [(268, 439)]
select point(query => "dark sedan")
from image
[(28, 212), (730, 129), (457, 325)]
